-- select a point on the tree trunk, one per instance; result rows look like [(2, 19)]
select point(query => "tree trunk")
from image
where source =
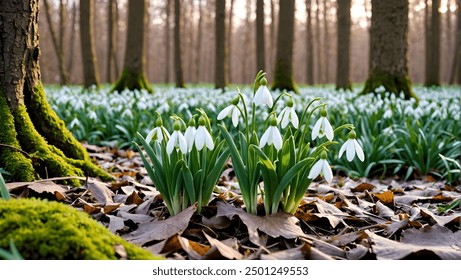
[(72, 40), (133, 73), (246, 45), (309, 45), (283, 77), (198, 58), (344, 34), (112, 41), (34, 141), (177, 45), (326, 43), (260, 45), (167, 41), (389, 48), (191, 51), (90, 70), (433, 56), (318, 45), (221, 53), (230, 25), (455, 73), (58, 45), (272, 36)]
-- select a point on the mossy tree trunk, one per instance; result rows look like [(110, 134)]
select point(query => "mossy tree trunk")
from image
[(343, 80), (283, 77), (221, 51), (112, 41), (133, 74), (34, 142), (90, 68), (389, 48)]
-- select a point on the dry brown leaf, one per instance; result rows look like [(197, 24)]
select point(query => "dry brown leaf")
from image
[(440, 220), (47, 187), (330, 212), (101, 191), (386, 197), (194, 250), (115, 223), (160, 230), (393, 227), (216, 222), (134, 198), (137, 218), (61, 197), (108, 208), (298, 253), (363, 187), (280, 224), (226, 251)]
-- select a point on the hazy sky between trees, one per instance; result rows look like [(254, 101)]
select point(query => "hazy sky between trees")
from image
[(243, 40)]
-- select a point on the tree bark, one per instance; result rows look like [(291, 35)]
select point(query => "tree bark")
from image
[(112, 41), (318, 45), (283, 77), (133, 74), (198, 58), (221, 53), (167, 41), (389, 48), (260, 45), (455, 73), (326, 43), (272, 36), (343, 47), (229, 36), (309, 45), (34, 141), (433, 55), (72, 40), (90, 70), (58, 43), (177, 45)]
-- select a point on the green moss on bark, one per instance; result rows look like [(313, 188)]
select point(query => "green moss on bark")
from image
[(393, 84), (132, 80), (283, 80), (11, 159), (51, 230)]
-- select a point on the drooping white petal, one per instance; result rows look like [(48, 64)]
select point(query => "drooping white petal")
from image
[(208, 140), (264, 138), (276, 138), (328, 130), (203, 138), (171, 142), (326, 171), (315, 170), (350, 150), (150, 135), (316, 130), (263, 97), (359, 150), (235, 116), (343, 148), (190, 137), (294, 118), (182, 143), (285, 119), (225, 112)]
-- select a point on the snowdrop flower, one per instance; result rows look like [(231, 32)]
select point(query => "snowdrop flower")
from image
[(321, 167), (203, 137), (272, 136), (190, 134), (287, 115), (176, 140), (263, 95), (322, 127), (352, 147), (158, 132), (231, 110)]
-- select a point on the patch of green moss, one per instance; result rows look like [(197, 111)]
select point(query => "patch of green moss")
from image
[(11, 159), (51, 230), (392, 83), (282, 79), (132, 80)]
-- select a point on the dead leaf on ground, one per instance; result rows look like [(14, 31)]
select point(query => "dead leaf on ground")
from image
[(101, 191), (160, 230)]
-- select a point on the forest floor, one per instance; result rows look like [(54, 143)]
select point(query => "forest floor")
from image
[(347, 219)]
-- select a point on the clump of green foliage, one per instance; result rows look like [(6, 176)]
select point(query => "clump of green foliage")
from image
[(52, 230)]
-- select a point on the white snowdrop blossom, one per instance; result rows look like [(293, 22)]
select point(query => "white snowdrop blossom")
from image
[(352, 147), (231, 110), (263, 95), (321, 167), (158, 132), (287, 115), (190, 135), (177, 139), (322, 127), (272, 136), (202, 138)]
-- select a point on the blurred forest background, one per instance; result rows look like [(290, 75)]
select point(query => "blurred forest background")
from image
[(60, 35)]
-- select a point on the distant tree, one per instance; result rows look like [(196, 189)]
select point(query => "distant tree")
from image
[(72, 40), (260, 30), (112, 66), (34, 142), (177, 45), (221, 52), (58, 44), (318, 46), (344, 34), (167, 41), (199, 41), (309, 45), (389, 47), (326, 43), (455, 73), (283, 76), (133, 74), (433, 54), (230, 26), (90, 70)]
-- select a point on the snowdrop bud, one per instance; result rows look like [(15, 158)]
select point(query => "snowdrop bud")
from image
[(202, 121), (290, 102), (323, 112), (273, 121), (159, 121), (192, 122), (352, 134), (263, 81), (323, 155), (235, 101)]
